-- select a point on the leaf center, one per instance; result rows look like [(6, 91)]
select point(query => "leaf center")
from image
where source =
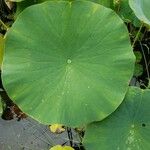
[(69, 61)]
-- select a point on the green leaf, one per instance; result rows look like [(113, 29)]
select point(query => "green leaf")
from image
[(24, 4), (138, 70), (141, 9), (69, 66), (128, 128), (138, 56), (125, 12), (106, 3)]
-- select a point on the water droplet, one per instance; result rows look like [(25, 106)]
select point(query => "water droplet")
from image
[(132, 126), (69, 61), (131, 132), (88, 87), (118, 148), (130, 138)]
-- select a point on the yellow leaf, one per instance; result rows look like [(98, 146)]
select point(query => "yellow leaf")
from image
[(56, 128), (59, 147)]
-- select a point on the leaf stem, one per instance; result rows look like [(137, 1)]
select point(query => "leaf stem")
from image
[(70, 136), (137, 35), (6, 27), (146, 65)]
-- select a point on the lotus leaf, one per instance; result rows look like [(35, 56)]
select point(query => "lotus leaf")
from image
[(141, 9), (68, 63), (128, 128), (106, 3), (125, 12)]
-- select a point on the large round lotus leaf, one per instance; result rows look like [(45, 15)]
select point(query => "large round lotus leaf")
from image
[(128, 128), (141, 9), (67, 63)]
